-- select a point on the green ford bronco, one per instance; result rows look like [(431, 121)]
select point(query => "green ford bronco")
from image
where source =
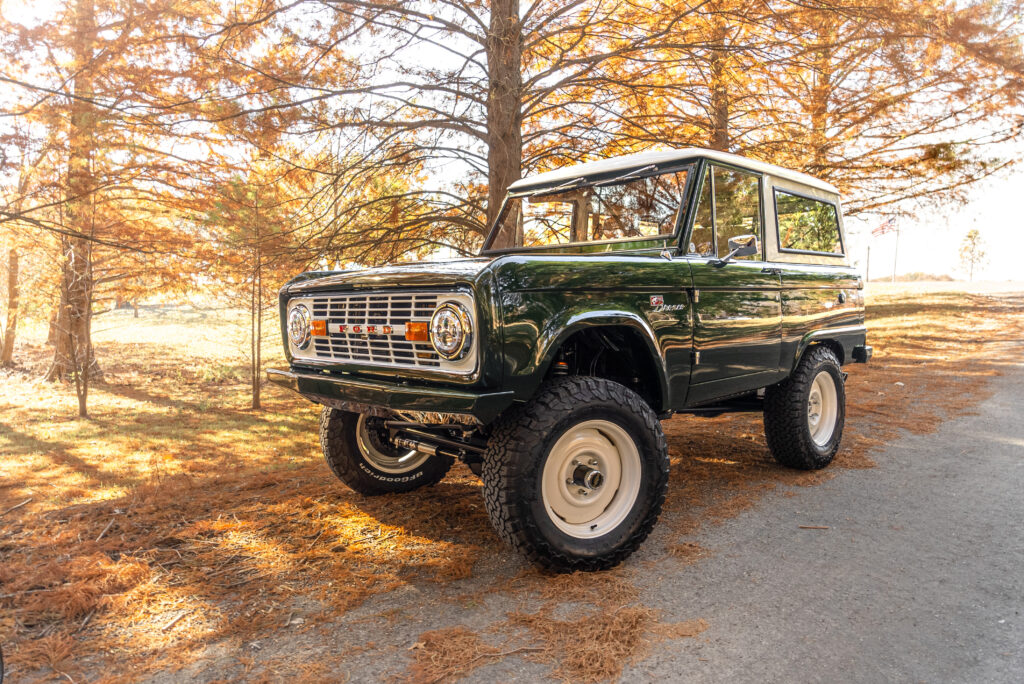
[(607, 297)]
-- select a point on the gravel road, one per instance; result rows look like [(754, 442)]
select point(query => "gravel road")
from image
[(919, 576)]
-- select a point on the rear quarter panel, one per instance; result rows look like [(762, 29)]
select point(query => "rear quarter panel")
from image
[(822, 295), (820, 303)]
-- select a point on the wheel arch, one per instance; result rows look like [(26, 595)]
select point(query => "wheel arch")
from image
[(830, 344), (634, 331), (840, 340)]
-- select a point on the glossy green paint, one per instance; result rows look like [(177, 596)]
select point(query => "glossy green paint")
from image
[(749, 321), (753, 320), (545, 299), (816, 300), (737, 327)]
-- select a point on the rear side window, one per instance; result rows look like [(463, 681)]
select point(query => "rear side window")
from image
[(807, 225)]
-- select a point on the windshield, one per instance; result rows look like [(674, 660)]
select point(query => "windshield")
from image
[(617, 210)]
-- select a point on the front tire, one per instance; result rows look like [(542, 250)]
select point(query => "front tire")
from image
[(359, 453), (804, 414), (575, 479)]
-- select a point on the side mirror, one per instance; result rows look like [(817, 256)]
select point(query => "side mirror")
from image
[(740, 246)]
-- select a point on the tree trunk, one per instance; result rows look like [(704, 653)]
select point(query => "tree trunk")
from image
[(257, 283), (11, 329), (258, 376), (504, 103), (719, 87), (252, 340), (73, 351), (821, 93), (54, 325), (256, 302)]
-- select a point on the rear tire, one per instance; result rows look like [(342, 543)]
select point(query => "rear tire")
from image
[(359, 454), (575, 479), (804, 414)]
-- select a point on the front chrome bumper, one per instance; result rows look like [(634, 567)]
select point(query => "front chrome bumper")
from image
[(377, 397)]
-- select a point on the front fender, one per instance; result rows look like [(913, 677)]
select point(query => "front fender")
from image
[(532, 341)]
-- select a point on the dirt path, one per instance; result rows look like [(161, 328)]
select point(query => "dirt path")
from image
[(917, 577)]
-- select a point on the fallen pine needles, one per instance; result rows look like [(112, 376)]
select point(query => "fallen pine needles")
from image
[(16, 506)]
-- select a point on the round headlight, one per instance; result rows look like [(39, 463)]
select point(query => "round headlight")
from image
[(299, 326), (451, 331)]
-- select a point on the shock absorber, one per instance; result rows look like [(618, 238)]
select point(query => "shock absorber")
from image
[(424, 447)]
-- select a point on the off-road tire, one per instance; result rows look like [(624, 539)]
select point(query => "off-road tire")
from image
[(786, 427), (514, 462), (346, 461)]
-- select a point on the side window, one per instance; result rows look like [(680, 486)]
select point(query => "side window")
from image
[(806, 224), (729, 205), (702, 238), (737, 207)]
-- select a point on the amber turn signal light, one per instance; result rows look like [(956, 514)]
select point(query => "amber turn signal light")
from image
[(416, 331), (318, 328)]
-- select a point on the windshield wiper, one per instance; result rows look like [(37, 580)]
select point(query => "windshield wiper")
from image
[(576, 181), (565, 185), (625, 176)]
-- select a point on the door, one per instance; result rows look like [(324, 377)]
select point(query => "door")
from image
[(737, 308)]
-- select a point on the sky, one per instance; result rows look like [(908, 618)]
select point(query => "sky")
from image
[(930, 241)]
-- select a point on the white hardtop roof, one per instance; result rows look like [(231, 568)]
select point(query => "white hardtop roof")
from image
[(639, 160)]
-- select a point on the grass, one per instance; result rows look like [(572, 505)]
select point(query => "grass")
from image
[(176, 518)]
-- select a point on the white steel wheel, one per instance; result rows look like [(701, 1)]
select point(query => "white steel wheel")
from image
[(359, 452), (371, 438), (804, 414), (591, 479), (822, 408)]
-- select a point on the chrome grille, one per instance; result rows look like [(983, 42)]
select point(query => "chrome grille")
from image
[(355, 324)]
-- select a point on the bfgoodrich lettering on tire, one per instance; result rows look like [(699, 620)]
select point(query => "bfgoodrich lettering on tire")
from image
[(576, 477), (359, 453), (804, 414)]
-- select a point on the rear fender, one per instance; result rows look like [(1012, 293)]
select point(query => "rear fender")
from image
[(841, 340)]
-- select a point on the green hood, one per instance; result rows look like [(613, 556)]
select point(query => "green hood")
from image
[(417, 274)]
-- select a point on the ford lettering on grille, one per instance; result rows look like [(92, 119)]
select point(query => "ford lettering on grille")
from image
[(370, 329)]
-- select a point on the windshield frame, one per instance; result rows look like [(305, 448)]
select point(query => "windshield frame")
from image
[(606, 179)]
